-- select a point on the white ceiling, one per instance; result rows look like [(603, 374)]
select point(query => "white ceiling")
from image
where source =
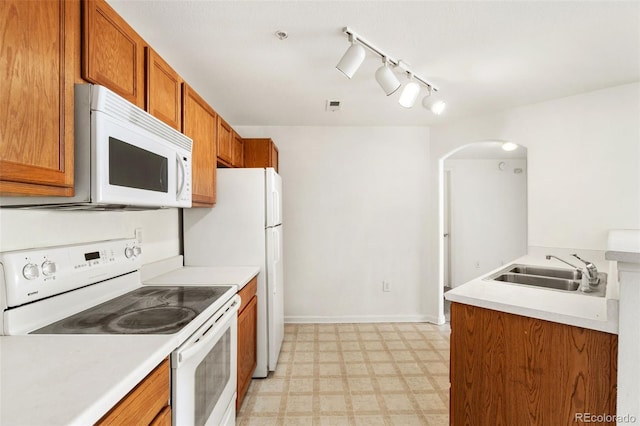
[(483, 56)]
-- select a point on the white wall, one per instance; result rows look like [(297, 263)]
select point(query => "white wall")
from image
[(488, 225), (583, 167), (24, 229), (355, 214)]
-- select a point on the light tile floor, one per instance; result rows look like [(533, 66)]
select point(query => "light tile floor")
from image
[(355, 374)]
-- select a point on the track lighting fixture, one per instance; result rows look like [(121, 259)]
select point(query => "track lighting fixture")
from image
[(352, 58), (436, 106), (387, 79), (409, 93), (385, 76)]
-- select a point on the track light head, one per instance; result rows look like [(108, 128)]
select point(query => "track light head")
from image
[(387, 79), (409, 93), (436, 106), (352, 58)]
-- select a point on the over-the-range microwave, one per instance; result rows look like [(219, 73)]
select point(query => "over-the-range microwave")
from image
[(124, 158)]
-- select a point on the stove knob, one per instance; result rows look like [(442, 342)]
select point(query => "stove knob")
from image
[(137, 250), (30, 271), (48, 268), (128, 252)]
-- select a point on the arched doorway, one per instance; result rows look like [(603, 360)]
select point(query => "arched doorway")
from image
[(482, 211)]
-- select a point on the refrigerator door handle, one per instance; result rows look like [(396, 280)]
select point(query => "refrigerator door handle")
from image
[(276, 257), (276, 208)]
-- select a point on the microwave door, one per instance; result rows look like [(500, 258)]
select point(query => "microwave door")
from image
[(132, 166)]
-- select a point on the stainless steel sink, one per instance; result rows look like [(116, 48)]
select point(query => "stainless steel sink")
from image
[(560, 279), (570, 274), (538, 281)]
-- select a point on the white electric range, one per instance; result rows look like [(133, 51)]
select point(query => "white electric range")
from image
[(95, 288)]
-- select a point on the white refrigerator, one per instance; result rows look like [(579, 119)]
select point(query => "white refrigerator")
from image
[(245, 228)]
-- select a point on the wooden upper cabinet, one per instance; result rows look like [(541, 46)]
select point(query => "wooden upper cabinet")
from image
[(199, 122), (261, 153), (163, 90), (113, 53), (237, 151), (38, 51), (225, 139), (275, 156)]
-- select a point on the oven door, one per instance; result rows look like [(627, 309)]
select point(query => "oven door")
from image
[(203, 371), (132, 166)]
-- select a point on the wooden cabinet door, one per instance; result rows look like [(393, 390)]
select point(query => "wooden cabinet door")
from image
[(247, 354), (145, 402), (163, 90), (260, 152), (163, 418), (37, 57), (238, 151), (113, 53), (225, 137), (513, 370), (274, 156), (200, 124)]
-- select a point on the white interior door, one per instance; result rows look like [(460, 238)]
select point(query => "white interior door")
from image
[(275, 293)]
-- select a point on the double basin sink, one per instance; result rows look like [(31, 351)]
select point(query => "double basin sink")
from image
[(567, 280)]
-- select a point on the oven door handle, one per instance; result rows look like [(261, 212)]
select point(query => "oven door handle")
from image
[(210, 332)]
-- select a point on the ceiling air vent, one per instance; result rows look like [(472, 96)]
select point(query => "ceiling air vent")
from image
[(333, 106)]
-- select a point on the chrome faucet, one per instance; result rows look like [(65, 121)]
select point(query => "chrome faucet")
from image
[(549, 256), (592, 271), (589, 272)]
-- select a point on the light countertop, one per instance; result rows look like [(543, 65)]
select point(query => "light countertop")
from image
[(171, 271), (76, 379), (207, 275), (623, 245), (72, 379), (572, 308)]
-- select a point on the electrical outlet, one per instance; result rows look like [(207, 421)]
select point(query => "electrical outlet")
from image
[(477, 264), (386, 286)]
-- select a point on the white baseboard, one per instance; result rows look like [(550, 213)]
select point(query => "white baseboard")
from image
[(361, 319)]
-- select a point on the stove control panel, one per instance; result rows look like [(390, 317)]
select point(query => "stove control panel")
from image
[(35, 274)]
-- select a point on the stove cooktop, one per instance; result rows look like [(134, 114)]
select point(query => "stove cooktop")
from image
[(146, 310)]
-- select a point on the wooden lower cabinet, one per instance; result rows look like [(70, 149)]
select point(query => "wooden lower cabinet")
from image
[(163, 418), (512, 370), (247, 338), (147, 403)]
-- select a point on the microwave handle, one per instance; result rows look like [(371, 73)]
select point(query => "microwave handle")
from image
[(181, 173)]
